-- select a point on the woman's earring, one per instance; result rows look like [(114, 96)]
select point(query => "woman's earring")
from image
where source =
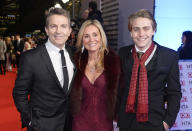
[(101, 47), (82, 49)]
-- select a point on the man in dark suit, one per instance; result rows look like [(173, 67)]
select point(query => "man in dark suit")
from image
[(151, 74), (94, 13), (18, 47), (45, 78)]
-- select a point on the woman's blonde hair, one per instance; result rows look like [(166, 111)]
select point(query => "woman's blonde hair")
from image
[(103, 49), (8, 40)]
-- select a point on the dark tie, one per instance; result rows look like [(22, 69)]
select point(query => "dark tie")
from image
[(65, 72), (139, 54)]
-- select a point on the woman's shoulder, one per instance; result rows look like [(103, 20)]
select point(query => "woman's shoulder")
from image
[(112, 60), (112, 54)]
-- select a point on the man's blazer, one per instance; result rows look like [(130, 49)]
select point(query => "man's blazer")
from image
[(163, 83), (38, 94), (18, 47)]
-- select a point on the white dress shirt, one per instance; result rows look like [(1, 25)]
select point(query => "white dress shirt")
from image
[(151, 55), (55, 56)]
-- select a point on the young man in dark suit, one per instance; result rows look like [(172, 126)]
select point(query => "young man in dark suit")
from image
[(46, 78), (151, 74)]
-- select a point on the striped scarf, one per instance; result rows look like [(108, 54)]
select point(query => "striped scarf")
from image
[(142, 99)]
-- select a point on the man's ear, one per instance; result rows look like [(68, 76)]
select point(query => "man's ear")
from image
[(70, 30), (130, 34), (154, 32), (46, 31)]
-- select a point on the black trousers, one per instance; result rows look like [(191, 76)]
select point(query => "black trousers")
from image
[(147, 126), (67, 127), (30, 129), (2, 66), (17, 60)]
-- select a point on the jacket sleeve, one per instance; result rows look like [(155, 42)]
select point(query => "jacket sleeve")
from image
[(22, 89), (173, 91), (4, 47)]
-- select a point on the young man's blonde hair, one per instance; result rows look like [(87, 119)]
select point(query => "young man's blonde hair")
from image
[(144, 14)]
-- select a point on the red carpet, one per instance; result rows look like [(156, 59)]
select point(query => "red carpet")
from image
[(9, 116)]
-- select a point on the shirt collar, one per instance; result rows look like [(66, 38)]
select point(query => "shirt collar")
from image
[(137, 49), (52, 47)]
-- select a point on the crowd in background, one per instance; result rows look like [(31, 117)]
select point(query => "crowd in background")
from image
[(185, 50), (11, 48)]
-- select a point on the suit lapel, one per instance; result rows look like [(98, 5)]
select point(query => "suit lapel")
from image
[(153, 62), (70, 86), (129, 60), (68, 48), (47, 60)]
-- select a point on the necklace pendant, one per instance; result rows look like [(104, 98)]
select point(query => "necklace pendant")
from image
[(92, 69)]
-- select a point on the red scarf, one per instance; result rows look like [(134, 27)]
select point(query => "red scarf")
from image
[(142, 102)]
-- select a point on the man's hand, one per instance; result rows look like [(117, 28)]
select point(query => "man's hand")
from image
[(18, 52), (166, 126), (30, 123)]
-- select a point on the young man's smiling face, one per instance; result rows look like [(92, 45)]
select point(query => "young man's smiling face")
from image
[(142, 32)]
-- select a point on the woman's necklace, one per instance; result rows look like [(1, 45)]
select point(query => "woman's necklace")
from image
[(91, 65), (91, 68)]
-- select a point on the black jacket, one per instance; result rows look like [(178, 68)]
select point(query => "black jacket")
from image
[(163, 80), (48, 105)]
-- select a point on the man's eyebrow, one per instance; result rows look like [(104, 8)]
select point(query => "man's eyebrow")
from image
[(140, 27)]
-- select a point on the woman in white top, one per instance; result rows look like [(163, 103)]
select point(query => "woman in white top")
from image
[(27, 45)]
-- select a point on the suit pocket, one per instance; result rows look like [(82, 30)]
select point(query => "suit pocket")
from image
[(35, 116), (163, 70), (158, 75)]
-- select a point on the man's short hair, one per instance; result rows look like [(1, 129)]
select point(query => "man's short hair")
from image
[(143, 13), (57, 11)]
